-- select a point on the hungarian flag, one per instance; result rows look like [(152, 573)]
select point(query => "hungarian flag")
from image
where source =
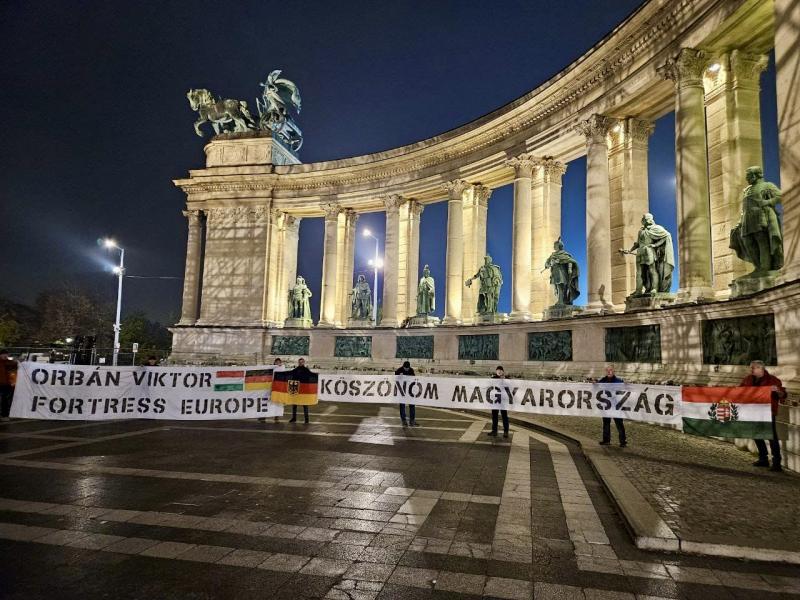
[(243, 380), (730, 412), (298, 386)]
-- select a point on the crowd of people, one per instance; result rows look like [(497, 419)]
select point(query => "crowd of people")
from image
[(757, 377)]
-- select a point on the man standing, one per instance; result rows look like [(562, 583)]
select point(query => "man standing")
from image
[(300, 373), (8, 376), (620, 423), (758, 377), (499, 373), (408, 372)]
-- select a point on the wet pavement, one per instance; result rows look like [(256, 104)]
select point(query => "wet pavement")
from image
[(352, 506)]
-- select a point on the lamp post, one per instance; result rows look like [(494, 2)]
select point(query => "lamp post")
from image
[(375, 264), (119, 271)]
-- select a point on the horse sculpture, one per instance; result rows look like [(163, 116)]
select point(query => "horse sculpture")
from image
[(224, 115)]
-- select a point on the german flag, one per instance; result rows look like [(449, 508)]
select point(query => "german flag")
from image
[(257, 379), (298, 386)]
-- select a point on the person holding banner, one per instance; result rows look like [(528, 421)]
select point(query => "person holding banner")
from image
[(758, 377), (8, 376), (499, 373), (408, 372), (620, 423), (302, 374)]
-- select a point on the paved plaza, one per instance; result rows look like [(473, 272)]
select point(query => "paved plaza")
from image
[(352, 506)]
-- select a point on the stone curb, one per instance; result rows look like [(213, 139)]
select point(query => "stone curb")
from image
[(648, 529)]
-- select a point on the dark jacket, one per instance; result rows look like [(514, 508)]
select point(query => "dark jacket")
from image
[(409, 373), (767, 380), (608, 379)]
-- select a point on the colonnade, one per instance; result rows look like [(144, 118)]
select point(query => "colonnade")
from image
[(241, 260)]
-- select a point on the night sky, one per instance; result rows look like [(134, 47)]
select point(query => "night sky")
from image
[(97, 123)]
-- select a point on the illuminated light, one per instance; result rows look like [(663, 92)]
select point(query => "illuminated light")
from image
[(116, 270), (617, 128), (366, 233), (69, 340), (714, 68), (379, 264), (109, 243)]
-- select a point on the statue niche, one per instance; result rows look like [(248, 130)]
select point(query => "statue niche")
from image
[(655, 261)]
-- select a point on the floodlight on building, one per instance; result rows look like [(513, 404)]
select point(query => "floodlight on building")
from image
[(109, 243), (714, 67)]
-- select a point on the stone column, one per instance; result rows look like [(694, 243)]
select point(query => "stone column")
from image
[(476, 204), (546, 213), (408, 277), (345, 262), (787, 61), (455, 250), (733, 124), (327, 317), (272, 272), (627, 163), (521, 238), (291, 237), (193, 272), (694, 221), (391, 261), (598, 213)]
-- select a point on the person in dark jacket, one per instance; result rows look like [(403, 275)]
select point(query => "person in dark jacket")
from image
[(8, 377), (499, 373), (408, 372), (299, 373), (760, 377), (610, 377)]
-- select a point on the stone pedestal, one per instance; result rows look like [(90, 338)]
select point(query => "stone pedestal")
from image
[(752, 284), (298, 323), (491, 319), (561, 311), (423, 321), (647, 302), (360, 323), (248, 148)]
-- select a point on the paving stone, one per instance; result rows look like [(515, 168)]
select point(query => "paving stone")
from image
[(167, 549), (554, 591), (288, 563), (327, 567), (460, 582), (244, 558), (62, 537), (96, 541), (364, 571), (414, 577), (595, 594), (204, 553), (513, 589), (131, 545)]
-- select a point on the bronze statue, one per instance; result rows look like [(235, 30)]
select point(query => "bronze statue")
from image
[(757, 238), (299, 307), (361, 302), (224, 115), (426, 293), (491, 279), (278, 97), (655, 259), (563, 274)]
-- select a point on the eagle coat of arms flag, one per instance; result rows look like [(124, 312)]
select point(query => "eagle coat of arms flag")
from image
[(738, 412), (297, 386)]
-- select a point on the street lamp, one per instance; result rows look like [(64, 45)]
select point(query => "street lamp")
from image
[(119, 271), (375, 264)]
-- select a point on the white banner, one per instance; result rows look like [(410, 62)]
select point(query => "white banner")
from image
[(651, 403), (46, 391)]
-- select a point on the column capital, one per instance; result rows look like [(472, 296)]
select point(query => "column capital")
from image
[(551, 169), (639, 130), (292, 222), (193, 215), (686, 69), (747, 68), (523, 165), (481, 194), (595, 128), (392, 202), (455, 188), (331, 210), (415, 207)]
